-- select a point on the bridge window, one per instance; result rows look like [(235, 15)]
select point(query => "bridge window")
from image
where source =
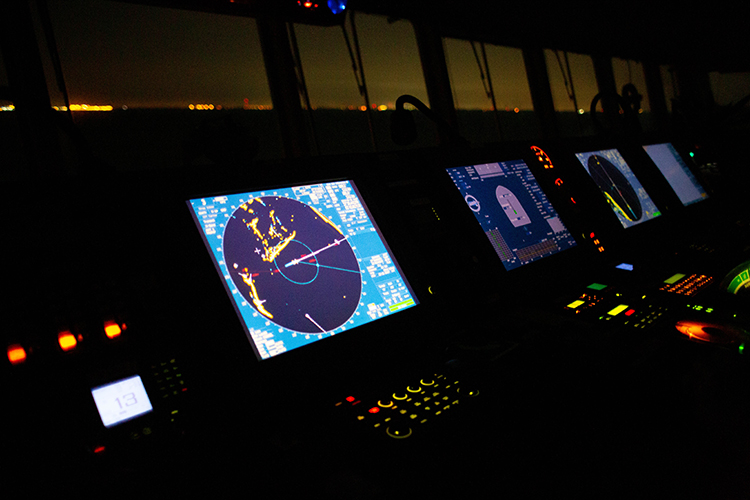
[(473, 88)]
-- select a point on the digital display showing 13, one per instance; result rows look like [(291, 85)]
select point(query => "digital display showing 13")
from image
[(121, 401)]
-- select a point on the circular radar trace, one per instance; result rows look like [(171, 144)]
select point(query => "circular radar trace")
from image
[(616, 188), (292, 264)]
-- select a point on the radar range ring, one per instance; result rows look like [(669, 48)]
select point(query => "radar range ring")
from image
[(292, 264)]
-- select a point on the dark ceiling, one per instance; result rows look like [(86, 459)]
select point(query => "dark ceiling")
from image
[(713, 37), (709, 36)]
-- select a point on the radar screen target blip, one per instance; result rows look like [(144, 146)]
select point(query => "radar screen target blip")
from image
[(301, 263), (515, 214), (620, 187)]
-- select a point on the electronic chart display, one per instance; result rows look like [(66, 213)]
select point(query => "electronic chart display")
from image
[(677, 173), (301, 263), (513, 211), (620, 187)]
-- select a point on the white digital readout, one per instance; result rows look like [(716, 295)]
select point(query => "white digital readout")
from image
[(121, 400)]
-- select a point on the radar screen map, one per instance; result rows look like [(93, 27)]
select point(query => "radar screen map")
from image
[(301, 263)]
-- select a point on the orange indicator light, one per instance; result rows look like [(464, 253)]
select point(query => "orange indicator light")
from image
[(112, 329), (351, 399), (374, 409), (66, 340), (16, 354)]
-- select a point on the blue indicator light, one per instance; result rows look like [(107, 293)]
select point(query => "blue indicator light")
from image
[(337, 6)]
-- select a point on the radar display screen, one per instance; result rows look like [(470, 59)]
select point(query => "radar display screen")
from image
[(677, 173), (301, 263), (515, 214), (620, 187)]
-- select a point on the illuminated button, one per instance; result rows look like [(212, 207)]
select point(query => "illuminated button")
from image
[(385, 405), (630, 312), (350, 399), (112, 329), (597, 286), (398, 432), (399, 397), (413, 389), (575, 304), (374, 409), (617, 310), (66, 340), (428, 382), (16, 354)]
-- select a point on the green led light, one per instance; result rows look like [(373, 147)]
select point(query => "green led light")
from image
[(597, 286), (742, 348)]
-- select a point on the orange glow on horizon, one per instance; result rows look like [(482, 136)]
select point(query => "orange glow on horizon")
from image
[(84, 107)]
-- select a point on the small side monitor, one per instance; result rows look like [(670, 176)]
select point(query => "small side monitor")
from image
[(677, 173)]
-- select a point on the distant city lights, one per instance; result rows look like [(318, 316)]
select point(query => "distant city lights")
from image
[(84, 107), (203, 107), (246, 106)]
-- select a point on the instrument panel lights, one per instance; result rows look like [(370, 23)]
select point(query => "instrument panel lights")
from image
[(16, 354), (67, 341), (112, 329)]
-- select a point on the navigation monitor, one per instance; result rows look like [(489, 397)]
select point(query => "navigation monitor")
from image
[(677, 173), (620, 187), (514, 212), (301, 263)]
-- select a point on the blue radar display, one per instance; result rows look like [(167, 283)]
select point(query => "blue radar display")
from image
[(301, 263), (622, 190), (513, 211)]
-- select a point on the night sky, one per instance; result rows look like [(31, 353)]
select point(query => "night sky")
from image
[(140, 56), (124, 54)]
